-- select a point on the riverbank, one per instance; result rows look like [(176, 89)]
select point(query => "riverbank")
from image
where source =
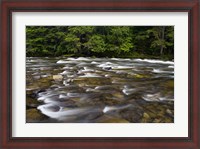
[(130, 56)]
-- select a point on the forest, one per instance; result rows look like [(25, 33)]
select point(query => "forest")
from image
[(155, 42)]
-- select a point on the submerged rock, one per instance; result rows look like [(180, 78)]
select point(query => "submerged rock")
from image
[(39, 84), (169, 84), (32, 103), (132, 114), (90, 115), (98, 99), (158, 113), (146, 118), (109, 119), (82, 81)]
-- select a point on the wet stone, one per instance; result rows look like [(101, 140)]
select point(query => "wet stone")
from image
[(170, 112), (32, 103), (98, 100), (91, 81), (68, 103), (57, 77), (109, 119), (159, 112), (132, 114), (146, 118), (34, 115), (91, 116)]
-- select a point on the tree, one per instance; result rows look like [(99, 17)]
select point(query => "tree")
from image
[(119, 39), (77, 36), (96, 44), (158, 33)]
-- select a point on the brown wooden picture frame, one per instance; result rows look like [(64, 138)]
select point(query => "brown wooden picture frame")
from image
[(9, 6)]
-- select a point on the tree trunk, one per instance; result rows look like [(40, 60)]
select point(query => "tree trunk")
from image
[(162, 38)]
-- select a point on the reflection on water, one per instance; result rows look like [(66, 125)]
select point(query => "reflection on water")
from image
[(99, 90)]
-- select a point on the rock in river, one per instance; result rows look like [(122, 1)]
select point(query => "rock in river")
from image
[(57, 77), (33, 115)]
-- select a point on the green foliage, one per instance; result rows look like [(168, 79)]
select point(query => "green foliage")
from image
[(161, 37), (96, 44), (119, 39), (98, 41)]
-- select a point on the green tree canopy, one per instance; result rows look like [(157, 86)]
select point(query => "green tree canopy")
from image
[(107, 41)]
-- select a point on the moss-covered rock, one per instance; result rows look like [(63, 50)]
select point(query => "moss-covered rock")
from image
[(100, 100), (109, 119), (31, 102), (34, 115), (158, 113), (39, 84), (57, 77), (146, 118), (132, 114), (140, 76), (169, 84), (92, 81)]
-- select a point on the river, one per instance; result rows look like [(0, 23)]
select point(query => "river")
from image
[(99, 90)]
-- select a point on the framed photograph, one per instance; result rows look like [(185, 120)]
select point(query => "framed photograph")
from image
[(100, 74)]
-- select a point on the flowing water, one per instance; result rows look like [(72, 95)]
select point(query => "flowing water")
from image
[(99, 90)]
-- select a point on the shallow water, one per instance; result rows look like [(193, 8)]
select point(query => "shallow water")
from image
[(99, 90)]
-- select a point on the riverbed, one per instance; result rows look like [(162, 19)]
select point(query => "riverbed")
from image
[(99, 90)]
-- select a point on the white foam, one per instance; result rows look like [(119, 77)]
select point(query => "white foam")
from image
[(149, 99), (165, 99), (122, 67), (93, 62), (73, 94), (107, 75), (89, 75), (50, 100), (90, 90), (157, 71), (154, 61), (170, 66), (78, 59), (128, 91), (161, 71), (64, 72), (107, 64), (61, 62), (63, 96), (111, 108), (156, 97), (61, 113), (85, 69), (106, 109)]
